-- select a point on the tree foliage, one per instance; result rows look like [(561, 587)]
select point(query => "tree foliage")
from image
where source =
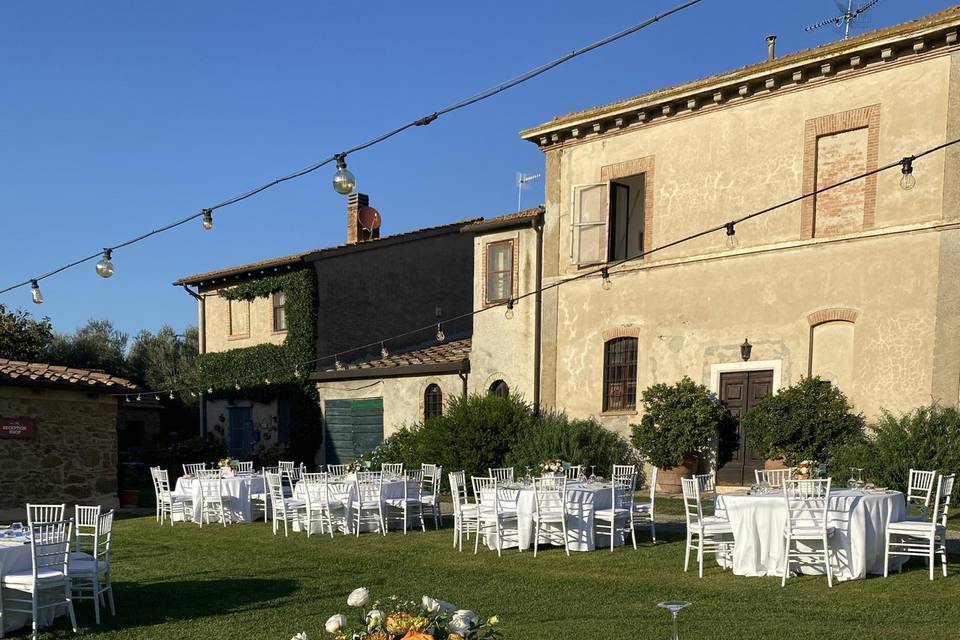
[(95, 345), (166, 360), (22, 337)]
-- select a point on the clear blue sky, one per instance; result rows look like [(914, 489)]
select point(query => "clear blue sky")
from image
[(118, 116)]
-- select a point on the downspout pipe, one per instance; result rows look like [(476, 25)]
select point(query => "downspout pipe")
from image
[(202, 347), (538, 315)]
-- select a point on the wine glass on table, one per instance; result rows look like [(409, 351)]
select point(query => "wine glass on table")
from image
[(675, 607), (852, 482)]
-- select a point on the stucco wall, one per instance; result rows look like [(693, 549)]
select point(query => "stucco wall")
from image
[(218, 324), (73, 457), (264, 415)]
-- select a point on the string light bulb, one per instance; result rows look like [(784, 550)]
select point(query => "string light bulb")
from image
[(193, 394), (127, 398), (207, 220), (236, 385), (266, 380), (337, 364), (509, 313), (440, 335), (105, 266), (138, 397), (209, 390), (605, 274), (35, 292), (171, 395), (296, 372), (907, 181), (732, 241), (383, 351), (156, 397), (343, 181)]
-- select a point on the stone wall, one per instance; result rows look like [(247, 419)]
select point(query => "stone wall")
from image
[(73, 456)]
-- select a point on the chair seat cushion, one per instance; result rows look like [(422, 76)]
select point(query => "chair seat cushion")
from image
[(290, 503), (605, 514), (549, 515), (399, 502), (428, 499), (913, 527), (87, 567), (23, 578), (642, 507), (80, 555), (808, 532)]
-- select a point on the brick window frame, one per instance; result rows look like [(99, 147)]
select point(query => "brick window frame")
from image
[(645, 165), (833, 314), (834, 123), (487, 301)]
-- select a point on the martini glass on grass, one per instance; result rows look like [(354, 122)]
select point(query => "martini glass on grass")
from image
[(674, 607)]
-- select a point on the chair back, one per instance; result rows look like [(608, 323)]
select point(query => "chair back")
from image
[(807, 503), (432, 475), (274, 487), (392, 468), (285, 465), (773, 477), (86, 520), (550, 493), (487, 492), (50, 546), (338, 469), (414, 485), (458, 490), (622, 492), (369, 486), (153, 479), (245, 467), (624, 470), (692, 507), (573, 472), (101, 547), (163, 484), (653, 487), (503, 474), (942, 503), (920, 489), (208, 473), (707, 483), (43, 513), (191, 469), (210, 487)]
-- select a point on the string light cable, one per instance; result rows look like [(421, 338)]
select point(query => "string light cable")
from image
[(905, 164), (344, 178)]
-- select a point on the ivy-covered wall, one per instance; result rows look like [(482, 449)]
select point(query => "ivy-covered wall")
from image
[(283, 365)]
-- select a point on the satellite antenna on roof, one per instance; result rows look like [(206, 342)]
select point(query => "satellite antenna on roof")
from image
[(522, 180), (847, 16)]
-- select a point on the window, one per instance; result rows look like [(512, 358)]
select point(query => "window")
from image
[(432, 402), (279, 311), (620, 374), (239, 318), (626, 217), (608, 220), (500, 389), (499, 276)]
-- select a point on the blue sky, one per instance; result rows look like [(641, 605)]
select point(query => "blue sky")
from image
[(117, 117)]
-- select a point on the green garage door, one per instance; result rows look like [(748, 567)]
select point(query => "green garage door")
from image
[(352, 427)]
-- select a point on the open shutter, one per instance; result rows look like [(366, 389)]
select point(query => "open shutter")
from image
[(588, 224)]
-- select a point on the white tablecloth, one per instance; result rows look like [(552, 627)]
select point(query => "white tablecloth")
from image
[(347, 491), (860, 520), (582, 502), (236, 495), (16, 556)]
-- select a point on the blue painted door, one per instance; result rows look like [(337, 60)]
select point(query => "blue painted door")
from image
[(240, 434)]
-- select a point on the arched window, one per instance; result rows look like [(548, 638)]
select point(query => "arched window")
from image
[(432, 402), (620, 374), (500, 388)]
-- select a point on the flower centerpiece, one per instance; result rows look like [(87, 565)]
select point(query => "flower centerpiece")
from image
[(228, 467), (804, 470), (552, 466), (397, 619)]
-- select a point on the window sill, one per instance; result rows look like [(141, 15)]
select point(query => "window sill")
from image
[(239, 336), (282, 332), (619, 412)]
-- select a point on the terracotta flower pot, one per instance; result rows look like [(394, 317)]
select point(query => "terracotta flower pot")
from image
[(129, 497), (774, 464), (668, 480)]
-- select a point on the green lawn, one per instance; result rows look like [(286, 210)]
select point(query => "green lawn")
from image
[(241, 582)]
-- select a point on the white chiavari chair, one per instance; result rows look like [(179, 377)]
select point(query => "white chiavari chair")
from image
[(808, 502), (260, 500), (923, 539), (710, 531), (367, 502), (919, 492), (573, 472), (430, 491), (643, 511), (85, 522), (211, 497), (90, 577), (313, 489), (338, 470), (502, 474), (282, 508), (156, 490), (410, 505), (172, 503), (620, 470), (550, 508), (465, 516), (392, 468), (245, 466), (773, 477), (42, 513), (619, 517), (495, 514), (47, 582), (192, 469)]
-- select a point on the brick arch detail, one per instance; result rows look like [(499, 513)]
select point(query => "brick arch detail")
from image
[(833, 314), (624, 331)]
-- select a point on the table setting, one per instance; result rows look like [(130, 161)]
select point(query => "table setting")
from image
[(236, 491), (343, 489)]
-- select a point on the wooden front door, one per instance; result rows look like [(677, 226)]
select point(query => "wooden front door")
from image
[(352, 428), (739, 391)]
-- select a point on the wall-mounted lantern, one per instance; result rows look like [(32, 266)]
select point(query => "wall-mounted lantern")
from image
[(745, 350)]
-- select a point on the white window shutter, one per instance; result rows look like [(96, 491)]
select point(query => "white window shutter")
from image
[(588, 223)]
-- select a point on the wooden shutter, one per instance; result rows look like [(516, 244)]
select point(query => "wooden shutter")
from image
[(588, 223)]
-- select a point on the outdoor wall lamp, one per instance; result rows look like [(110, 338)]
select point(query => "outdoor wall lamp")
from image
[(745, 350)]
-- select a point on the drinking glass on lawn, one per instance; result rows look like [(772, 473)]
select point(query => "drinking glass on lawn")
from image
[(674, 607)]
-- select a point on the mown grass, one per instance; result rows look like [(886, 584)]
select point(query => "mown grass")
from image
[(242, 582)]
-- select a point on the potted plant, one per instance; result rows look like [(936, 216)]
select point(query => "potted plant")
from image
[(680, 422), (806, 421)]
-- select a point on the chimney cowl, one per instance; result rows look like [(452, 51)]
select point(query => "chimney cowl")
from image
[(771, 47)]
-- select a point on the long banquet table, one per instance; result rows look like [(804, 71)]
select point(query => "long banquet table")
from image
[(859, 519), (344, 490), (582, 499), (236, 493)]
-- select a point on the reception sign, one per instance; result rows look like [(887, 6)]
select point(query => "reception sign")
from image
[(17, 428)]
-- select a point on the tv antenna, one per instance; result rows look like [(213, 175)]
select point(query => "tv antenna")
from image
[(847, 16), (522, 180)]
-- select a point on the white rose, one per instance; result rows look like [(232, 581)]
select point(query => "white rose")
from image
[(460, 622), (374, 618), (446, 607), (335, 623), (358, 597), (430, 605)]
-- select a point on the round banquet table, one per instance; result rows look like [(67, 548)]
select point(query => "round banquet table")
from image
[(582, 501), (344, 490), (16, 556), (236, 495), (859, 519)]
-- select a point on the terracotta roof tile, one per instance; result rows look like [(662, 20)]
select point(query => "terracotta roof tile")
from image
[(453, 351), (41, 374)]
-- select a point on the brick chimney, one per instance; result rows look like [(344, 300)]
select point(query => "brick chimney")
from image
[(356, 233)]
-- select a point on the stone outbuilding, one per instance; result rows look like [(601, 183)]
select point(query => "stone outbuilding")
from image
[(58, 435)]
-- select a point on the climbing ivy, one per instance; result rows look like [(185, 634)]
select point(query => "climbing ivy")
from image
[(246, 367)]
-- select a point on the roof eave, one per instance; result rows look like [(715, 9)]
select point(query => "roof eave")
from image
[(434, 368)]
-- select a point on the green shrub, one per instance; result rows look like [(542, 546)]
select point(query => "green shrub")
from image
[(583, 442), (925, 438), (806, 421), (679, 420), (402, 446)]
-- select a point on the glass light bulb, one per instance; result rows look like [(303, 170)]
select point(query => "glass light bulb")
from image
[(105, 267), (383, 352), (35, 293), (732, 242), (908, 181), (236, 385), (509, 313), (343, 181), (209, 390), (207, 220), (607, 285), (338, 365), (440, 335)]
